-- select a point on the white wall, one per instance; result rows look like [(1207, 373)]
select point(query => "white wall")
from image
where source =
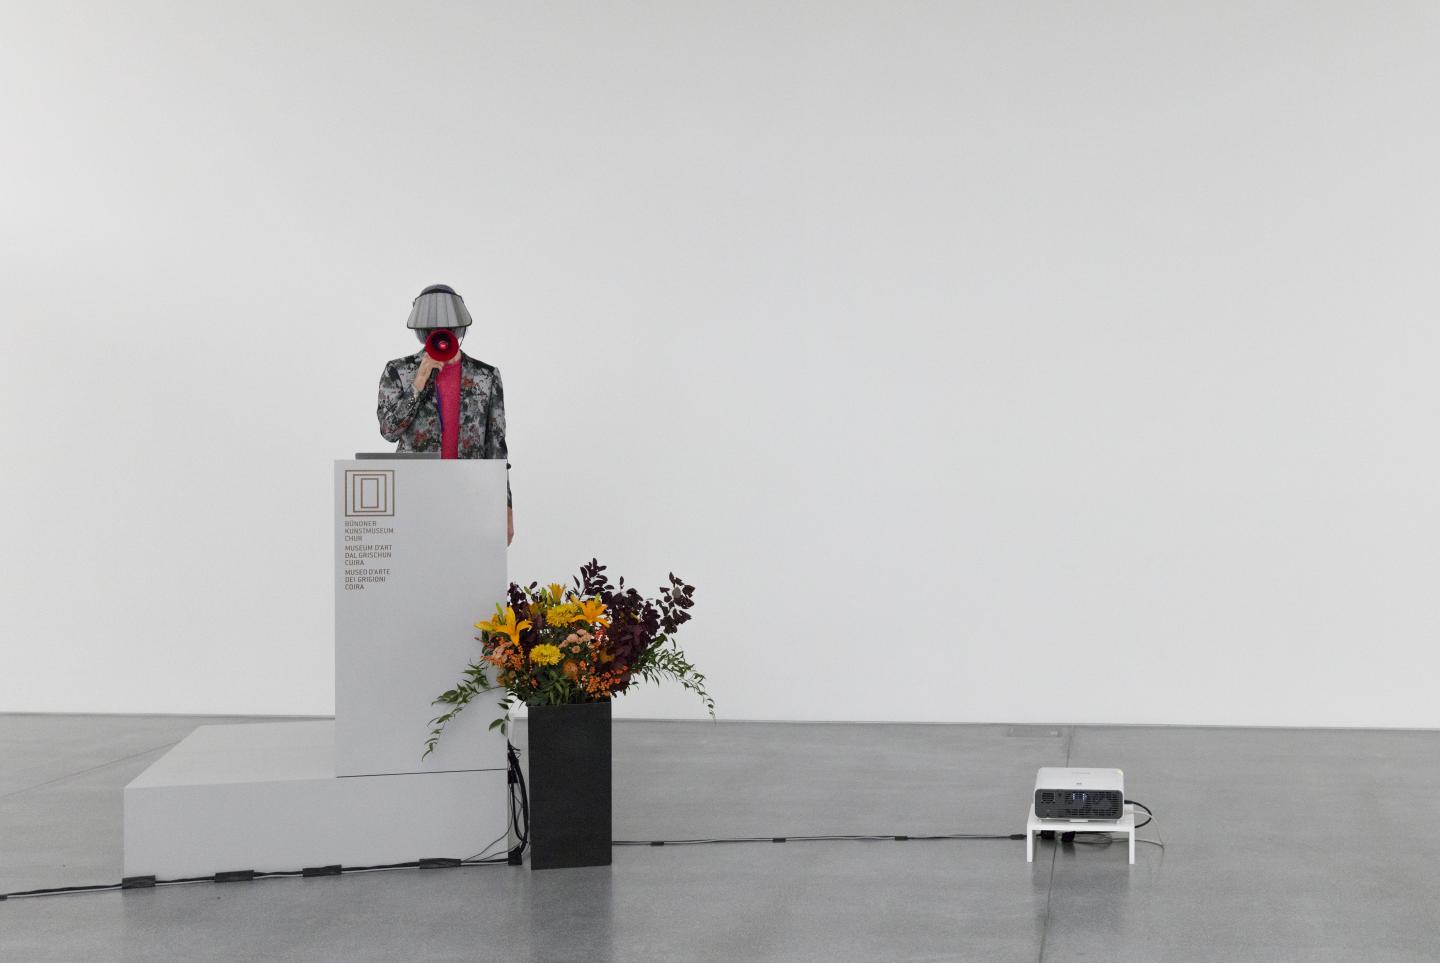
[(934, 342)]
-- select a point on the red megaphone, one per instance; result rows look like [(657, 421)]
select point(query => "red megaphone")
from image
[(442, 345)]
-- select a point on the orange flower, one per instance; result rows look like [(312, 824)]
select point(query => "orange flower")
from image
[(602, 684), (504, 624), (591, 611)]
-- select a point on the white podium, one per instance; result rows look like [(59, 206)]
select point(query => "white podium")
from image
[(419, 558)]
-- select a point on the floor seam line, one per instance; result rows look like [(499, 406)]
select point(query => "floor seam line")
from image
[(81, 772), (1054, 854), (1049, 891)]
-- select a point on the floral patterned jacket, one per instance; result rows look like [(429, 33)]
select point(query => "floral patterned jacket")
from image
[(413, 420)]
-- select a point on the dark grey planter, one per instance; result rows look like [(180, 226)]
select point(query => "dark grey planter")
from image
[(570, 785)]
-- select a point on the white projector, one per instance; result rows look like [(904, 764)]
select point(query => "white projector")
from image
[(1079, 795)]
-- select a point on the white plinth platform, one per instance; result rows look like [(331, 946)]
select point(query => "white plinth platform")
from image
[(266, 797), (1034, 824)]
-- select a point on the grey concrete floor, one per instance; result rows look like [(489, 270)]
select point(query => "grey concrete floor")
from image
[(1245, 873)]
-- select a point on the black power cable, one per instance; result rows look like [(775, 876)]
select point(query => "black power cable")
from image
[(519, 816), (512, 858), (1105, 837), (888, 837), (519, 809), (520, 821), (1148, 813)]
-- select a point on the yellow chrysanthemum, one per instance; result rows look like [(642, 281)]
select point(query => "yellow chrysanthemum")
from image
[(545, 654), (561, 614), (591, 612)]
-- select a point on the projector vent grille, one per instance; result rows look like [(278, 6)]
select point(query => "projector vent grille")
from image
[(1075, 804)]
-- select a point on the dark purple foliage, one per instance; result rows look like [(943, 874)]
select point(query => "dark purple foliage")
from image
[(635, 622), (529, 638)]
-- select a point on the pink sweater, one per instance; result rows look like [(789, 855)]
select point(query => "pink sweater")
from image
[(447, 388)]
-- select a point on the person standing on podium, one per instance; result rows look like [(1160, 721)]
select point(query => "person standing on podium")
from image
[(441, 399)]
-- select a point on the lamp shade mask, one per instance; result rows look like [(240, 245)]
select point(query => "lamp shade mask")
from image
[(438, 306)]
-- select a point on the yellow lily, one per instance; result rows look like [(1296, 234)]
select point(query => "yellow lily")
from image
[(592, 612), (504, 624)]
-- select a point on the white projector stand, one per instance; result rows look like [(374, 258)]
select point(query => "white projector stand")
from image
[(1034, 824), (419, 558)]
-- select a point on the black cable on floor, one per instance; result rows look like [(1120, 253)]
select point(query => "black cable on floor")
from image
[(149, 882), (146, 882), (797, 839), (520, 820), (519, 815)]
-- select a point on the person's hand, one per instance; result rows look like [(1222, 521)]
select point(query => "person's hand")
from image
[(427, 365), (509, 524)]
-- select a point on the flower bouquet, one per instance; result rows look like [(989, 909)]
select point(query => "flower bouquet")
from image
[(565, 652), (563, 645)]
